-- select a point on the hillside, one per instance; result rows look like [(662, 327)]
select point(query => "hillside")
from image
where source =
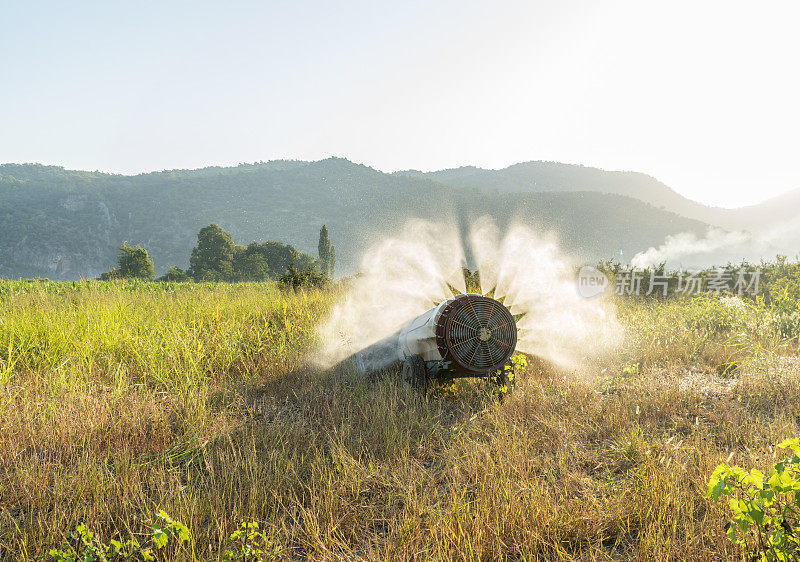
[(771, 212), (554, 176), (66, 224)]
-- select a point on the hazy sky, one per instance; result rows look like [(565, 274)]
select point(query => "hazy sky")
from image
[(703, 95)]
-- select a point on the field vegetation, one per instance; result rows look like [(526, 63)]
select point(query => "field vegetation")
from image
[(123, 399)]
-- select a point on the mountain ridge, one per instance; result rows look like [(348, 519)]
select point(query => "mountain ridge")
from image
[(66, 224)]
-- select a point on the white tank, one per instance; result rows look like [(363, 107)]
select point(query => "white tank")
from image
[(471, 333)]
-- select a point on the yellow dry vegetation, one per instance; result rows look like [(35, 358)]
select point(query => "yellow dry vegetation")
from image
[(119, 400)]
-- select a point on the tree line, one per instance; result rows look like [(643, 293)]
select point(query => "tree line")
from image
[(217, 258)]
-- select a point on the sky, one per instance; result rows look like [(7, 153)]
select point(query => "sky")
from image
[(702, 95)]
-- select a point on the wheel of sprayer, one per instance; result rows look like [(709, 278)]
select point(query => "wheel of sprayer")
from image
[(414, 373)]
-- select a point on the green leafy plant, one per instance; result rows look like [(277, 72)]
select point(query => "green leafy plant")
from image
[(502, 383), (765, 509), (84, 546), (520, 361), (167, 528), (250, 543)]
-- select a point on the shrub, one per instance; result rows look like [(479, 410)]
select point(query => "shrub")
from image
[(175, 275), (765, 509), (307, 277)]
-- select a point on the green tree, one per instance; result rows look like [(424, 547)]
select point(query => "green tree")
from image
[(133, 262), (249, 264), (326, 252), (301, 260), (175, 273), (277, 257), (212, 259)]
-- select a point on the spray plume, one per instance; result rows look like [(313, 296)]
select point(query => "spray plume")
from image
[(408, 274), (686, 244), (782, 237)]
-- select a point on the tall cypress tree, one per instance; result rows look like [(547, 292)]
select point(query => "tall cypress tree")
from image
[(327, 253)]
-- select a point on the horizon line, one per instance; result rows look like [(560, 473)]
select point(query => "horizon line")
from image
[(390, 172)]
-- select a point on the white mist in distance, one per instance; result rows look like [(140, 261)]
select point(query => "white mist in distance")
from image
[(687, 244), (408, 274), (782, 238)]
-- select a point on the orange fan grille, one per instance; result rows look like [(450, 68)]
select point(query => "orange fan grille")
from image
[(477, 333)]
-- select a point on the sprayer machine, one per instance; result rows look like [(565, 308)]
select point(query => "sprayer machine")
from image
[(469, 335)]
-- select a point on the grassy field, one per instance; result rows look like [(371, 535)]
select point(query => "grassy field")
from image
[(122, 399)]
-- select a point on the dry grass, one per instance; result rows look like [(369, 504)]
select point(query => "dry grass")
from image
[(121, 400)]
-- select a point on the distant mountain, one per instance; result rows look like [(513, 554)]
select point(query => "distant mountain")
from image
[(66, 224), (767, 214), (554, 176)]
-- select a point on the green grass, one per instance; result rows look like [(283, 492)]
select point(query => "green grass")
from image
[(119, 400)]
